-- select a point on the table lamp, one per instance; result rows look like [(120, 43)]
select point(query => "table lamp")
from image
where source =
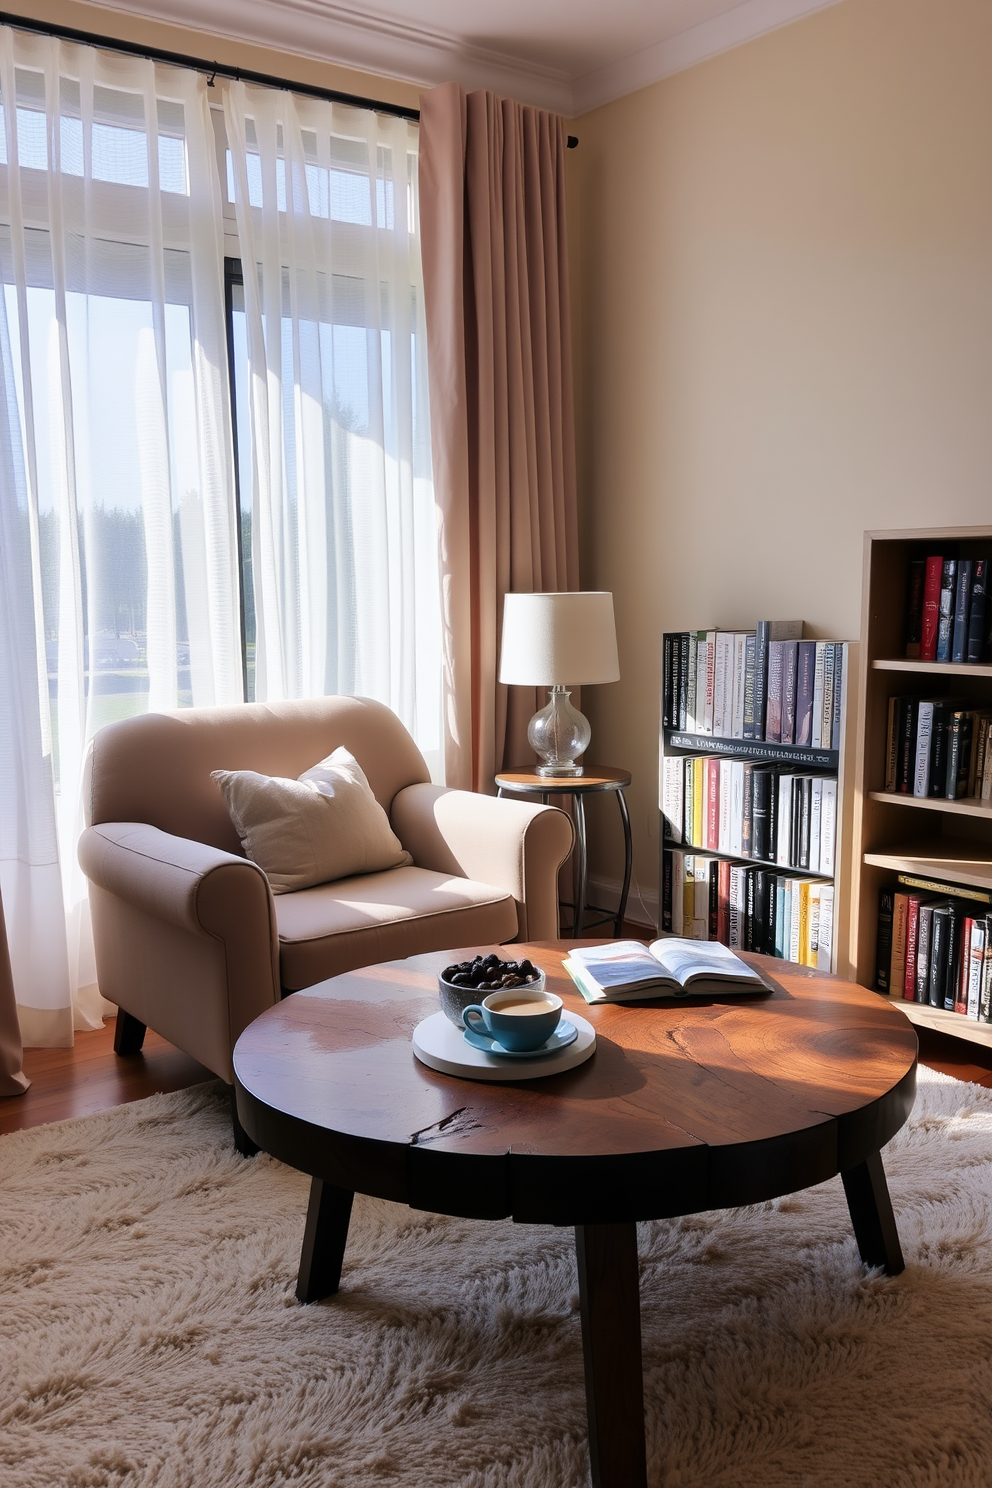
[(557, 641)]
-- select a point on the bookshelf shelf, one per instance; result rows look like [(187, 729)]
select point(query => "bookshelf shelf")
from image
[(755, 749), (933, 668), (967, 806), (681, 847), (944, 842)]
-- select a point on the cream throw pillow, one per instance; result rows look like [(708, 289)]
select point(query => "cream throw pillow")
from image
[(325, 825)]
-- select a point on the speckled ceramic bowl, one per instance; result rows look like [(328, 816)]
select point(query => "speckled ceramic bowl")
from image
[(454, 1000)]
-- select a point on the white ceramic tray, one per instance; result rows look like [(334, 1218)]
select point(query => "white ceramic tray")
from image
[(439, 1044)]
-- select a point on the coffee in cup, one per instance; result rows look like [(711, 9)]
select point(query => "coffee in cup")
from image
[(520, 1021)]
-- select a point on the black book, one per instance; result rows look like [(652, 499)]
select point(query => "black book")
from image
[(915, 580), (773, 781), (666, 890), (945, 614), (909, 708), (760, 911), (939, 727), (771, 911), (797, 817), (883, 943), (683, 677), (959, 745), (937, 980), (747, 809), (761, 784), (979, 606), (951, 958), (805, 809), (962, 604), (761, 636), (668, 679), (749, 878)]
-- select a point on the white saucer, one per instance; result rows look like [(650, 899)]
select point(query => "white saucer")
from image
[(440, 1045)]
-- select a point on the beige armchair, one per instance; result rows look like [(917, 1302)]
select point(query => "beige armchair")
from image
[(190, 940)]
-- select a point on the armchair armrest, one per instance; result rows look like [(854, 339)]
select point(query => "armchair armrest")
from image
[(185, 935), (511, 844)]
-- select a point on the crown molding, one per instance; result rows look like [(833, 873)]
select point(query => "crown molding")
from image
[(721, 33), (375, 43)]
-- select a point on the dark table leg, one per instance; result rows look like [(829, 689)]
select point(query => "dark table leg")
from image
[(628, 862), (324, 1240), (611, 1347), (871, 1214), (580, 864)]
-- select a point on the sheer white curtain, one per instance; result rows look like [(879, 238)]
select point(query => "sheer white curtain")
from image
[(344, 539), (118, 564)]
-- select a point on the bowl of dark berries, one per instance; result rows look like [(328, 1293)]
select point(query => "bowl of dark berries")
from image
[(468, 982)]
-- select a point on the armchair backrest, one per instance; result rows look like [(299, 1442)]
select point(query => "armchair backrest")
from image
[(156, 768)]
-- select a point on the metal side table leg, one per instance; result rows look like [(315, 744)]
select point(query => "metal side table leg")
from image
[(628, 862), (580, 850)]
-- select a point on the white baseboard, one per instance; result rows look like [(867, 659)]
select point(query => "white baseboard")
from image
[(641, 907)]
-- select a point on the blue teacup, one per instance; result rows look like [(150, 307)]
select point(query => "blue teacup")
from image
[(521, 1019)]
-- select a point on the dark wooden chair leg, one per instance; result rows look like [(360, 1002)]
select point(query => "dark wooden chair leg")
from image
[(871, 1215), (129, 1034), (324, 1240), (611, 1345), (242, 1140)]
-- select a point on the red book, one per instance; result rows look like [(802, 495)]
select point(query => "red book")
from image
[(912, 926), (712, 837), (964, 971), (723, 902), (931, 607)]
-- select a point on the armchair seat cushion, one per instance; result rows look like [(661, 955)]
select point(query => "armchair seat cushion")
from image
[(335, 927)]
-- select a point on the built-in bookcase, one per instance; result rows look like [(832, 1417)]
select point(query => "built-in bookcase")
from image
[(927, 837), (820, 762)]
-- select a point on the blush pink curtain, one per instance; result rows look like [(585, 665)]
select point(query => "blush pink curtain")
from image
[(492, 221), (13, 1081)]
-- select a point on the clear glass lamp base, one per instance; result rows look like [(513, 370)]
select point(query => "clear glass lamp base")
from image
[(558, 734)]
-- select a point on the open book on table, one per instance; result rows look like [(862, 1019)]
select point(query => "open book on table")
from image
[(625, 970)]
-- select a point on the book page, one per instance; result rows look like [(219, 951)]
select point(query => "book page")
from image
[(620, 963), (683, 959)]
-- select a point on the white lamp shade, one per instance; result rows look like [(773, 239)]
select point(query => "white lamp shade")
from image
[(559, 640)]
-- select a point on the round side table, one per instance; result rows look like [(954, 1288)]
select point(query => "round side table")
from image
[(594, 778)]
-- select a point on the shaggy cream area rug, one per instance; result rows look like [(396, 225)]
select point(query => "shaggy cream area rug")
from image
[(150, 1335)]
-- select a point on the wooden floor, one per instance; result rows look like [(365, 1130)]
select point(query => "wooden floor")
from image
[(90, 1077)]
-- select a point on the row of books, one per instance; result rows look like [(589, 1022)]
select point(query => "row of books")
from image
[(746, 810), (748, 909), (935, 946), (947, 611), (766, 684), (938, 747)]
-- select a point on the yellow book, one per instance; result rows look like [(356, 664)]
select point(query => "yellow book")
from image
[(698, 801), (804, 923)]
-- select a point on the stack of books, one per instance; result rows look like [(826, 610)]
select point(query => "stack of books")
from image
[(935, 946), (768, 685), (763, 812), (938, 747), (749, 909), (947, 611)]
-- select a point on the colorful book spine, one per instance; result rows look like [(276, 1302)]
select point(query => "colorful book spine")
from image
[(931, 607), (945, 616), (915, 579)]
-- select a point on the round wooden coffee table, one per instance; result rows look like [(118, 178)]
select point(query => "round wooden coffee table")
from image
[(684, 1107)]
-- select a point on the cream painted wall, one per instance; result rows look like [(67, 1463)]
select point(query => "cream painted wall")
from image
[(783, 290)]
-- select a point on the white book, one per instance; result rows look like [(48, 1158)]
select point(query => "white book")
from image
[(976, 959), (723, 685), (824, 949), (814, 923), (816, 798), (710, 680), (736, 808), (828, 826), (784, 831), (794, 893), (726, 794), (737, 707), (785, 938), (678, 891), (672, 796), (701, 649), (816, 738), (924, 734), (829, 652)]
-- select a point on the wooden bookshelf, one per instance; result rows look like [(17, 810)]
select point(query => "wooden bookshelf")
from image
[(790, 758), (929, 838)]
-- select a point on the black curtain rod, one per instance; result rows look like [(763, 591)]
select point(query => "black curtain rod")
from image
[(215, 69)]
